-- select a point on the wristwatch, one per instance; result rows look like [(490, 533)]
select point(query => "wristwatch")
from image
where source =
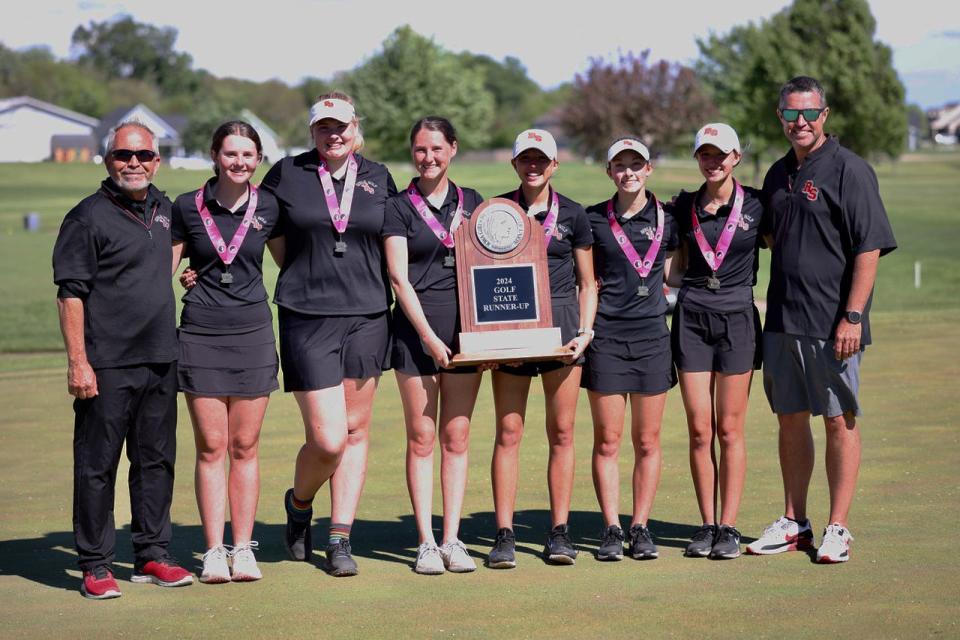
[(854, 317), (590, 332)]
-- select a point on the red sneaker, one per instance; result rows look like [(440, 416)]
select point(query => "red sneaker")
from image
[(162, 571), (98, 584)]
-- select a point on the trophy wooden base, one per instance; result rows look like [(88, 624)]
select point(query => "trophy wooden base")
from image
[(513, 345)]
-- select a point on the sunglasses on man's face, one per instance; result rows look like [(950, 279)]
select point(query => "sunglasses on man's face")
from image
[(124, 155), (791, 115)]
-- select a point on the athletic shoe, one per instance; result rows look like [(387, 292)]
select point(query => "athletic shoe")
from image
[(98, 584), (429, 560), (297, 534), (456, 559), (641, 543), (783, 535), (727, 546), (559, 548), (340, 562), (611, 544), (701, 542), (245, 567), (215, 569), (503, 555), (835, 546), (163, 571)]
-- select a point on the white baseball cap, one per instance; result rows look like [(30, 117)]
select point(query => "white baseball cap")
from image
[(535, 139), (335, 108), (720, 135), (628, 144)]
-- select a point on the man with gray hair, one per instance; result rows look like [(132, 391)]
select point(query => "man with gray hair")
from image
[(826, 229), (112, 264)]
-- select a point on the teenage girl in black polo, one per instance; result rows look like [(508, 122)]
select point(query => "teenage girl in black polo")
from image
[(715, 330), (634, 243), (570, 262), (228, 356), (418, 241), (334, 330)]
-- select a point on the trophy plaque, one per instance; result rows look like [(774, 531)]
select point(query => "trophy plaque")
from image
[(504, 288)]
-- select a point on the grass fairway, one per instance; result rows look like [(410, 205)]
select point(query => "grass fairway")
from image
[(901, 583)]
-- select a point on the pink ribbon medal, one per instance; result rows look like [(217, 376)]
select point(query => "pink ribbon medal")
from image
[(339, 213), (445, 237), (226, 252), (715, 257), (643, 266), (551, 220)]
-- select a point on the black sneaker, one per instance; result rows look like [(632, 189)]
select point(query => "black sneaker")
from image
[(340, 562), (559, 548), (641, 543), (611, 544), (503, 556), (297, 534), (701, 542), (727, 546)]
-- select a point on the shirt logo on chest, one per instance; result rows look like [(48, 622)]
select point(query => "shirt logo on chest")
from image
[(257, 223), (648, 233), (810, 191), (559, 231), (163, 220), (367, 186), (745, 222)]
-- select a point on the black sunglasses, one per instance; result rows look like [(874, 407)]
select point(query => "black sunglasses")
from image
[(791, 115), (124, 155)]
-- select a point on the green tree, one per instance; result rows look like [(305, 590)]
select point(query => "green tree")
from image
[(831, 40), (517, 98), (413, 77), (36, 73)]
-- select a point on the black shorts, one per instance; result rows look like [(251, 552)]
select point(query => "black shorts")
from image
[(620, 361), (567, 317), (227, 364), (408, 355), (721, 341), (317, 352)]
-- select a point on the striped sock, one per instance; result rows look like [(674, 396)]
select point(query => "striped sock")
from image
[(299, 510), (339, 532)]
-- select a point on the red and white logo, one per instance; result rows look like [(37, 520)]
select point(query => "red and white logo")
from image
[(535, 136), (710, 131), (328, 103), (810, 191), (627, 143)]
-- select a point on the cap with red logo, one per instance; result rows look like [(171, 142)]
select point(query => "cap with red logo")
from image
[(720, 135), (627, 144), (339, 110), (535, 139)]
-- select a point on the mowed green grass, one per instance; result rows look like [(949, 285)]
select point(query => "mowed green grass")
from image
[(901, 583)]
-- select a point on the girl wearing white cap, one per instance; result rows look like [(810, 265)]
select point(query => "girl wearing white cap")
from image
[(334, 330), (418, 240), (634, 245), (715, 331), (570, 264)]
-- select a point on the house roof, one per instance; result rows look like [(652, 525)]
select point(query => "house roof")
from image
[(949, 117), (167, 133), (10, 104)]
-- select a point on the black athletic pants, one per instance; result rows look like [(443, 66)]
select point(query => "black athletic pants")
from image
[(136, 405)]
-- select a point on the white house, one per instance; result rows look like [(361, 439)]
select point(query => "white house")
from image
[(945, 123), (27, 126), (168, 134), (272, 151)]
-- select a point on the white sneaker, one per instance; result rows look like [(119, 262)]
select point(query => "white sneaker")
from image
[(456, 559), (215, 569), (835, 546), (782, 535), (429, 561), (245, 567)]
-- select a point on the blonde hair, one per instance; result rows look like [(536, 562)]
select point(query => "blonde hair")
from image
[(340, 95)]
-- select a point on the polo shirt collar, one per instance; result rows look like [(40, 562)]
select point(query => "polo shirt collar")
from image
[(827, 149)]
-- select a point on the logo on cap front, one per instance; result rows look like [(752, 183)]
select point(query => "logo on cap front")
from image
[(710, 131), (328, 103), (535, 136), (627, 143)]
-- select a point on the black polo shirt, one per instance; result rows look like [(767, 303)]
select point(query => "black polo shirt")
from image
[(433, 282), (738, 271), (618, 279), (247, 267), (314, 280), (114, 254), (572, 231), (821, 215)]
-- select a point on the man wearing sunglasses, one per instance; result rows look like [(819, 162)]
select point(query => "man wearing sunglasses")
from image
[(112, 263), (827, 229)]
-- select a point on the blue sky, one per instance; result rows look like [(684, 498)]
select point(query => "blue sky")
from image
[(290, 39)]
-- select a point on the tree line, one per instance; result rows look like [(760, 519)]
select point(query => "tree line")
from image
[(736, 78)]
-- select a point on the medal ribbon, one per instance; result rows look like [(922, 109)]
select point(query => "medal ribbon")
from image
[(226, 252), (715, 257), (644, 266), (340, 215), (431, 220), (551, 220)]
